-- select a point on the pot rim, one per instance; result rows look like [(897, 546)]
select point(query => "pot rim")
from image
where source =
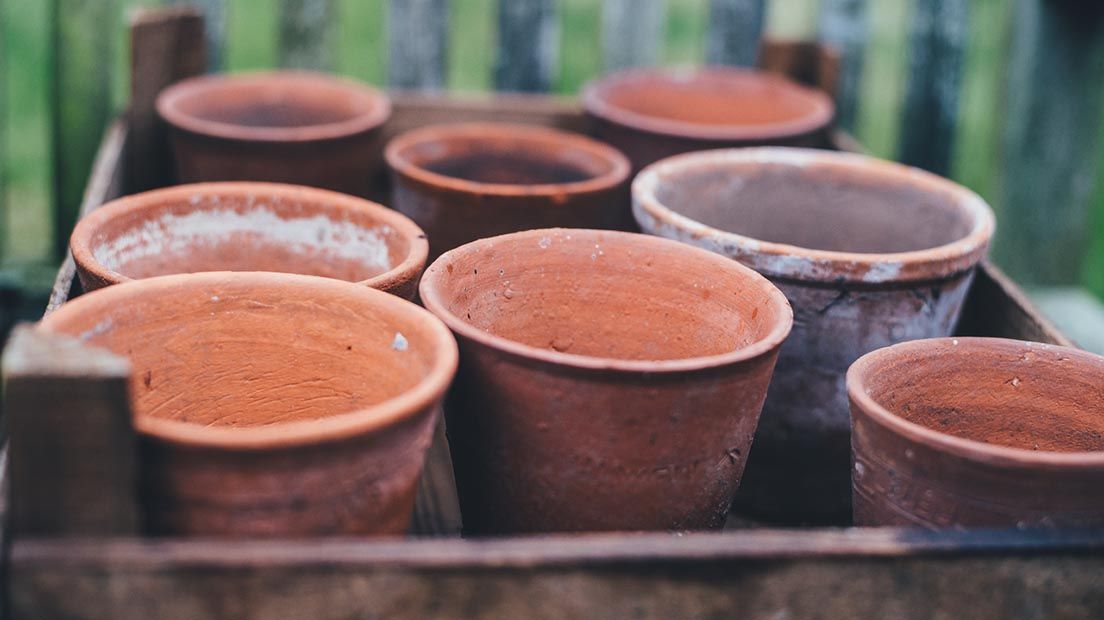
[(395, 155), (80, 242), (791, 262), (596, 103), (376, 102), (431, 298), (987, 453), (427, 391)]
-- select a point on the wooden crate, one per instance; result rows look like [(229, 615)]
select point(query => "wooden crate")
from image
[(75, 553)]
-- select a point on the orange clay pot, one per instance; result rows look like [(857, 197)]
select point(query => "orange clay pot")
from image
[(272, 404), (249, 227)]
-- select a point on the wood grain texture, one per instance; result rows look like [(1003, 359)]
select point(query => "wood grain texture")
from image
[(306, 35), (632, 33), (418, 31), (735, 28), (843, 26), (995, 306), (938, 31), (528, 38), (214, 27)]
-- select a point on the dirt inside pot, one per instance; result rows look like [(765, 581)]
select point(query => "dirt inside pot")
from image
[(508, 169)]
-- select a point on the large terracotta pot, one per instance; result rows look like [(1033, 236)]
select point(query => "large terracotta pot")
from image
[(287, 127), (869, 253), (272, 404), (468, 181), (249, 227), (608, 380), (654, 113), (980, 432)]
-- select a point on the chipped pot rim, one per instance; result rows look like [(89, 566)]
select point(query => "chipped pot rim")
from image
[(431, 298), (357, 422), (988, 453), (80, 242), (375, 103), (596, 102), (791, 262), (396, 150)]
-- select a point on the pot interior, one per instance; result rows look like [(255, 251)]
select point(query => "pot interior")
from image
[(831, 208), (605, 295), (212, 230), (998, 392)]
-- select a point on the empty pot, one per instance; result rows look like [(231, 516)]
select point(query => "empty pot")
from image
[(981, 432), (608, 380), (285, 126), (468, 181), (272, 404), (653, 113), (249, 227), (869, 253)]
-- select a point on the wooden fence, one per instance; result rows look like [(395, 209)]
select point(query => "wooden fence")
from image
[(1051, 111)]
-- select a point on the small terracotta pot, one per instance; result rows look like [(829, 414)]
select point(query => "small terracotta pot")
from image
[(980, 432), (469, 181), (654, 113), (272, 404), (869, 253), (608, 380), (287, 127), (249, 227)]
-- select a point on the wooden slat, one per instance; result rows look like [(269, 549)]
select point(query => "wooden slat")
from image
[(938, 31), (632, 31), (1051, 138), (306, 38), (735, 28), (528, 38), (843, 25), (417, 31), (995, 306), (214, 24)]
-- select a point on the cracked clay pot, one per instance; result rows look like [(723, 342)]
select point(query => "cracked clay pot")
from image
[(978, 432), (869, 253), (654, 113), (608, 380), (469, 181), (249, 227), (271, 404), (284, 126)]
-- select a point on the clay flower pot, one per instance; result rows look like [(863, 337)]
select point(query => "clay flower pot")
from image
[(654, 113), (869, 253), (608, 380), (469, 181), (249, 227), (272, 404), (287, 127), (978, 432)]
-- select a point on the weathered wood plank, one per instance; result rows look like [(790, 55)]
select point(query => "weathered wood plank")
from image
[(306, 36), (632, 32), (418, 31), (843, 25), (995, 306), (735, 28), (938, 31), (214, 25), (1051, 138), (71, 443), (528, 45)]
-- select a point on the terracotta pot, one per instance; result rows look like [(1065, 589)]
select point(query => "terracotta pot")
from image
[(287, 127), (272, 404), (978, 432), (654, 113), (869, 253), (249, 227), (608, 380), (468, 181)]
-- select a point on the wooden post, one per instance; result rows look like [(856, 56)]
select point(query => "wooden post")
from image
[(1051, 138), (80, 102), (938, 31), (632, 32), (307, 34), (214, 24), (418, 40), (843, 25), (528, 38), (71, 452), (735, 28)]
